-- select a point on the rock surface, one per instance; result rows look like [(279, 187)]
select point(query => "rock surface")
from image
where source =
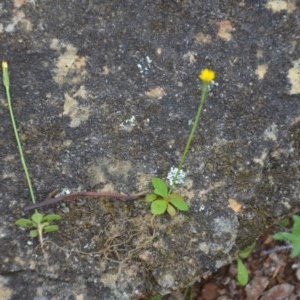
[(104, 93)]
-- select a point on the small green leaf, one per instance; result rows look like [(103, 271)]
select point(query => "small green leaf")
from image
[(33, 233), (296, 226), (24, 223), (247, 251), (150, 197), (52, 217), (160, 188), (50, 228), (171, 210), (294, 239), (178, 202), (242, 275), (37, 218), (296, 248), (283, 236), (158, 207)]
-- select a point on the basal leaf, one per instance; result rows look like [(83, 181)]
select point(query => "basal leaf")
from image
[(24, 222), (178, 202), (242, 275), (158, 207), (296, 226), (171, 210), (296, 248), (247, 251), (33, 233), (50, 228), (160, 187), (150, 197), (37, 218), (283, 236), (52, 217)]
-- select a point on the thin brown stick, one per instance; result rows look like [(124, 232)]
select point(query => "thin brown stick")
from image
[(76, 195)]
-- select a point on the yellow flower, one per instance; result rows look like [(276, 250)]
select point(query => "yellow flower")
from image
[(4, 65), (207, 75)]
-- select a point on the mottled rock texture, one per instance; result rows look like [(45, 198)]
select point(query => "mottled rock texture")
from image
[(104, 93)]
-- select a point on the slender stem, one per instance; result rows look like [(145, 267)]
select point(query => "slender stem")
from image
[(76, 195), (6, 85), (192, 133)]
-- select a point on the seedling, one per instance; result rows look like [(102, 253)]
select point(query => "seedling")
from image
[(162, 199), (292, 237), (38, 221), (242, 274)]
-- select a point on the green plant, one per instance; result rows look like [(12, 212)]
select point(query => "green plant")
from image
[(162, 199), (38, 223), (242, 274), (37, 220), (292, 237)]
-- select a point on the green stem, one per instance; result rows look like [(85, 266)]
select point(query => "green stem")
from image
[(6, 85), (192, 133)]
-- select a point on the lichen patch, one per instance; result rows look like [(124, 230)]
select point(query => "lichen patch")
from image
[(202, 38), (64, 63), (234, 205), (294, 77), (225, 29), (77, 113), (191, 57), (19, 19), (279, 5), (156, 92), (19, 3), (261, 71), (69, 66)]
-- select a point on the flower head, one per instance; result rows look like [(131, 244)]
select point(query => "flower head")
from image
[(207, 75), (4, 65)]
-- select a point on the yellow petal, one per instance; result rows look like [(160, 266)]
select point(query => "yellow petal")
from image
[(207, 75)]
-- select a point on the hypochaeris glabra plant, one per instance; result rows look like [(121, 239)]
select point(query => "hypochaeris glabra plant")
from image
[(38, 223), (162, 199)]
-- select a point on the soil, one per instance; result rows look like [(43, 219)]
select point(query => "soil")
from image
[(273, 275)]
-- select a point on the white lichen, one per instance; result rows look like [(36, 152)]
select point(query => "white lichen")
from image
[(128, 124), (180, 178)]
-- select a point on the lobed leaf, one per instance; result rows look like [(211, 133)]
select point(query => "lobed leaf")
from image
[(296, 226), (242, 275), (37, 218), (52, 217), (158, 207), (171, 210), (51, 228), (247, 251), (33, 233), (24, 223), (178, 202), (284, 236), (296, 248), (160, 187), (150, 197)]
